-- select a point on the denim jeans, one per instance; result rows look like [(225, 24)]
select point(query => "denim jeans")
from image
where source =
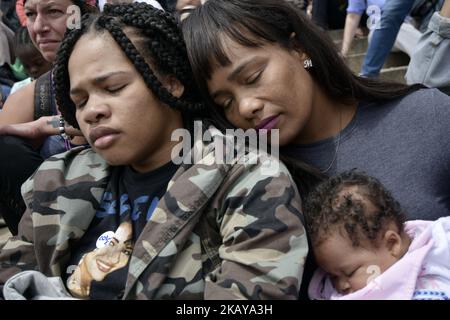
[(383, 39), (4, 93)]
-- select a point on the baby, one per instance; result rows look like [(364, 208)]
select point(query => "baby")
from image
[(364, 248), (32, 60)]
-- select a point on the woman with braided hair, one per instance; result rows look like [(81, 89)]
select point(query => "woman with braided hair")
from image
[(202, 229), (29, 127)]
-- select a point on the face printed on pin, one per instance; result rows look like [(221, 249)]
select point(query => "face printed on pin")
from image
[(97, 264)]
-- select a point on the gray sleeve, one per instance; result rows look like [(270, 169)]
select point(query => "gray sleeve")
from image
[(33, 285), (6, 44), (430, 63), (441, 103)]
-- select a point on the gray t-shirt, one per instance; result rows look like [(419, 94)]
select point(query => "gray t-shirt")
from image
[(404, 143)]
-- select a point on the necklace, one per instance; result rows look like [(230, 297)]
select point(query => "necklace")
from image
[(337, 144)]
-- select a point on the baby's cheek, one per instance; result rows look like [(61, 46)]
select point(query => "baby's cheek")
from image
[(359, 281)]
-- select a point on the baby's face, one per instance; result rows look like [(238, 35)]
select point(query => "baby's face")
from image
[(352, 268), (33, 62)]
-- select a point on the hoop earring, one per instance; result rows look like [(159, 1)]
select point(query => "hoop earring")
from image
[(307, 63)]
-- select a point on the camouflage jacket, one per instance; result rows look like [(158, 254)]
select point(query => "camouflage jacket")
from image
[(221, 231)]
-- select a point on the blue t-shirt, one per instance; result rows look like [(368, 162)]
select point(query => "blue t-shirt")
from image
[(360, 6), (4, 93), (405, 143)]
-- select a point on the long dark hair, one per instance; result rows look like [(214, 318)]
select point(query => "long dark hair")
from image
[(253, 23), (156, 37)]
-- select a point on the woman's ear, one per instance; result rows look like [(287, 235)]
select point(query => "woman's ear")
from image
[(173, 85), (295, 45), (393, 242)]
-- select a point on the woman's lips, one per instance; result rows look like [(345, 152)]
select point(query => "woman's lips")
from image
[(105, 141), (102, 266), (268, 123), (48, 44), (103, 137)]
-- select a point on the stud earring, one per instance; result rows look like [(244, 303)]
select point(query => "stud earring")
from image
[(307, 63)]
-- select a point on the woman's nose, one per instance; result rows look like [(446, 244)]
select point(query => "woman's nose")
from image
[(40, 25), (94, 111), (250, 106), (113, 254)]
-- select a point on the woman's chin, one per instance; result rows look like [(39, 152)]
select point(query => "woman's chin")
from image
[(114, 161), (49, 56), (113, 158)]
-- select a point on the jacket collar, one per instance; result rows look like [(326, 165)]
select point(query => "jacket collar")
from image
[(176, 215)]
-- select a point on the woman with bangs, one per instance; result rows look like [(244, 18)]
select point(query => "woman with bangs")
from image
[(262, 64)]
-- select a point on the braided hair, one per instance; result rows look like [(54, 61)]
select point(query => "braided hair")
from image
[(158, 38)]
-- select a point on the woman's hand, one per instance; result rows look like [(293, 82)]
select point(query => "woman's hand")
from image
[(38, 129), (29, 130)]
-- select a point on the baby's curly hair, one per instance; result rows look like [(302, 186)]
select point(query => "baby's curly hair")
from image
[(355, 202), (156, 37)]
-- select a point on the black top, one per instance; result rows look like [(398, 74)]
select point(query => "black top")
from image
[(129, 200)]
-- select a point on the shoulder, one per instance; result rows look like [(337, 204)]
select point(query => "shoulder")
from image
[(245, 170), (79, 165), (425, 104), (259, 171), (25, 90), (250, 166), (228, 174), (79, 161), (426, 97), (431, 108), (262, 187), (20, 84)]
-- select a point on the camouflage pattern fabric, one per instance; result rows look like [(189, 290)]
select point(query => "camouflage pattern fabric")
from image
[(221, 231)]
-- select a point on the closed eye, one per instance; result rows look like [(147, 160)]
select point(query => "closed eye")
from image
[(227, 104), (254, 77), (80, 104), (349, 275), (224, 100), (115, 89)]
